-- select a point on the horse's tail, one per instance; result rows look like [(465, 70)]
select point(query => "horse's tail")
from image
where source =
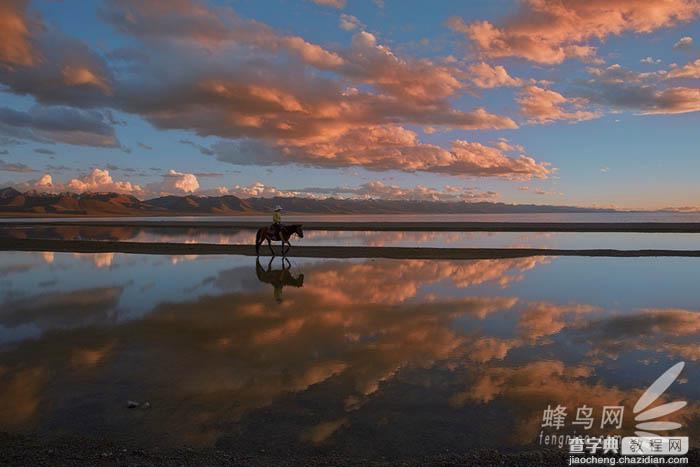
[(258, 241)]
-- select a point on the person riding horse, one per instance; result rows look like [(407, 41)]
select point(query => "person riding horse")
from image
[(277, 232)]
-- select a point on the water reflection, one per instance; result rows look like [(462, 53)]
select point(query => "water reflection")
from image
[(278, 278), (369, 357), (227, 236)]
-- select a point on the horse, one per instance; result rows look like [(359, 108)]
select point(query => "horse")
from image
[(286, 231), (278, 278)]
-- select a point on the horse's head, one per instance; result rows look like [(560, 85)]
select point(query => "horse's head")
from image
[(298, 230)]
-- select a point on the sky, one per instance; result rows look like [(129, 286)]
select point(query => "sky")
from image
[(562, 102)]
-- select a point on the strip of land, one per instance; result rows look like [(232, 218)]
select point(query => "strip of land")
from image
[(89, 246), (630, 227)]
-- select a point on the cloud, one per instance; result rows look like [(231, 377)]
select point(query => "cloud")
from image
[(546, 106), (331, 3), (14, 167), (255, 190), (380, 190), (16, 48), (202, 149), (192, 20), (550, 31), (349, 22), (99, 180), (69, 73), (44, 151), (484, 75), (620, 89), (386, 148), (690, 70), (684, 43), (650, 60), (174, 182), (370, 190), (144, 146), (56, 124)]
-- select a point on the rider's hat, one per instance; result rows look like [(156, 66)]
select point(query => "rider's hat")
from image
[(278, 208)]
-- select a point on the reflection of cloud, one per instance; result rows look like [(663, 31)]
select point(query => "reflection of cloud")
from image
[(319, 433), (20, 392), (667, 331), (62, 309), (541, 319)]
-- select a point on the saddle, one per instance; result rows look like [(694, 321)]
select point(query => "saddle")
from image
[(275, 232)]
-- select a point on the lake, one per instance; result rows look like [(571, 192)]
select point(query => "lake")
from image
[(369, 359), (233, 236)]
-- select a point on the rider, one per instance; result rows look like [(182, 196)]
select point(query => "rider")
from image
[(277, 221)]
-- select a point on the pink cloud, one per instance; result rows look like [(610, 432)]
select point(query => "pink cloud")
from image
[(387, 147), (100, 180), (484, 75), (690, 70), (550, 31), (16, 47), (545, 106)]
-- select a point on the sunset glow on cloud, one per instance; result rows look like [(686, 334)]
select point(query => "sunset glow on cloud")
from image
[(477, 98)]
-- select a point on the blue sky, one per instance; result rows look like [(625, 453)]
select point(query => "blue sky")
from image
[(355, 98)]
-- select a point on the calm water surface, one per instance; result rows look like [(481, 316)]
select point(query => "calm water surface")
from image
[(558, 240), (365, 357)]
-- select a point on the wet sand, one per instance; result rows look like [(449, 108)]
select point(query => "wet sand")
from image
[(90, 246), (630, 227)]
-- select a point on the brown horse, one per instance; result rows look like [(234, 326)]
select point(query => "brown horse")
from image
[(286, 231)]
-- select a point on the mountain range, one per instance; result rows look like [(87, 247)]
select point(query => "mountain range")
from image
[(14, 203)]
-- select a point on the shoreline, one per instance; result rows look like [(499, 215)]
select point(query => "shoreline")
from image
[(406, 226), (337, 252)]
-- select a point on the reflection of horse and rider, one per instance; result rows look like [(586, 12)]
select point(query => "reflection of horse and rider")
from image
[(277, 232), (278, 278)]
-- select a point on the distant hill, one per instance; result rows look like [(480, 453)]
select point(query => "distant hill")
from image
[(33, 203)]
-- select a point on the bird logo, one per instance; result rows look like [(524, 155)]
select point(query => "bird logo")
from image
[(648, 419)]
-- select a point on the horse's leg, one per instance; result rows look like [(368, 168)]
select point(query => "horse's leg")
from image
[(269, 245)]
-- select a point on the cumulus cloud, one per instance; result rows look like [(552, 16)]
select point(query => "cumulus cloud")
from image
[(174, 182), (545, 106), (650, 60), (484, 75), (550, 31), (99, 180), (387, 148), (684, 43), (690, 70), (57, 124), (240, 89)]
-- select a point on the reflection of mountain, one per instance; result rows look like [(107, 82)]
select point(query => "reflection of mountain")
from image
[(14, 202), (360, 355)]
